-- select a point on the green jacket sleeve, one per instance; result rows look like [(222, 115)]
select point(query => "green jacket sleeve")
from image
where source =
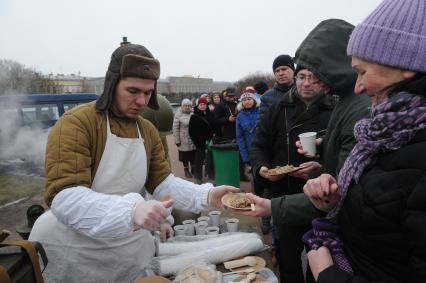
[(294, 210)]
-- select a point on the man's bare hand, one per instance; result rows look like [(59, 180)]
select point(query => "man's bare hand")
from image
[(263, 171), (319, 260), (322, 192), (300, 150), (216, 194), (262, 207), (310, 170)]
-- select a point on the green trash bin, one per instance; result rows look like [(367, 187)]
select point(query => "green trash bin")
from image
[(226, 163)]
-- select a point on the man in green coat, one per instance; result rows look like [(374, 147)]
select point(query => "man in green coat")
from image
[(323, 50)]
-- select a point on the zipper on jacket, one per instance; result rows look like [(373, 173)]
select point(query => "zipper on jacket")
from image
[(288, 141)]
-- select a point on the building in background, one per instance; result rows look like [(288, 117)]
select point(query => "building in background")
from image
[(174, 88), (68, 83)]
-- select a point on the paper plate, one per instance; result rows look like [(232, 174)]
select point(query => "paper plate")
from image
[(258, 279), (153, 279), (281, 170), (230, 197), (260, 264)]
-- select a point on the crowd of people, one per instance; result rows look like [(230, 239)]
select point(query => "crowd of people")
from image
[(358, 207), (219, 117)]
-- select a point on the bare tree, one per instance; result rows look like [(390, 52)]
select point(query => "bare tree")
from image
[(252, 79), (16, 78)]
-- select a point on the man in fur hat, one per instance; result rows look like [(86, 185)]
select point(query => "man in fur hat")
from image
[(99, 158)]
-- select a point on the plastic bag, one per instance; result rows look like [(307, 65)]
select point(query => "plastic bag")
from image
[(199, 273)]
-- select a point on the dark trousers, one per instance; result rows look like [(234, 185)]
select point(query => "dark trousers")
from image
[(242, 169), (209, 165), (200, 154), (290, 247), (187, 158), (257, 184)]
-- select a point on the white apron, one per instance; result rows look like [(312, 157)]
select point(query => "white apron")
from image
[(74, 257)]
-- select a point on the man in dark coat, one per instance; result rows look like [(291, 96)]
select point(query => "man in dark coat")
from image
[(283, 68), (305, 108), (225, 114)]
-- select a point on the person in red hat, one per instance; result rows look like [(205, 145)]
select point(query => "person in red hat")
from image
[(200, 131)]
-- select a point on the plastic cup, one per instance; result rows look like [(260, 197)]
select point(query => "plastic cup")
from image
[(189, 227), (308, 143), (179, 230), (200, 228), (214, 217), (212, 230), (232, 224), (204, 218)]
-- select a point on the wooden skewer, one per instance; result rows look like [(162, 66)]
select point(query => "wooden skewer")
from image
[(251, 276), (242, 271)]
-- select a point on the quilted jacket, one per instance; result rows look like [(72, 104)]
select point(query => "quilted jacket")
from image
[(181, 131), (77, 141)]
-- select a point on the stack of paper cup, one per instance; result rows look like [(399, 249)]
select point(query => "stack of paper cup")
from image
[(212, 230), (214, 217), (179, 230), (308, 143), (204, 218), (232, 224), (200, 227), (189, 227)]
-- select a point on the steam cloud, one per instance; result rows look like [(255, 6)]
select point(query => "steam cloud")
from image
[(19, 145)]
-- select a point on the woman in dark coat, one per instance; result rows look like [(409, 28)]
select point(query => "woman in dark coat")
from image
[(200, 131), (375, 229)]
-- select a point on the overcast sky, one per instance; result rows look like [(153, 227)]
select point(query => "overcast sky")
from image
[(219, 39)]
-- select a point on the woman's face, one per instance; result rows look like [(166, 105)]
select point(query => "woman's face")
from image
[(374, 78), (186, 108), (202, 106), (216, 99), (248, 103)]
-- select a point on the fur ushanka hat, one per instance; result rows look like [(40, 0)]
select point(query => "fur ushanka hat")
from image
[(130, 60)]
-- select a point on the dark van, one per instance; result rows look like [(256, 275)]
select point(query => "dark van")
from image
[(40, 110)]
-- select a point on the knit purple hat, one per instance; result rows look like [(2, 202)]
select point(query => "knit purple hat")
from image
[(394, 34)]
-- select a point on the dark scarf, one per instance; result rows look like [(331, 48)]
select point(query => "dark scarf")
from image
[(205, 114), (282, 87), (391, 126)]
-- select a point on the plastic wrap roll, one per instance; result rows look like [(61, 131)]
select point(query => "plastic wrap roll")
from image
[(189, 244), (211, 251)]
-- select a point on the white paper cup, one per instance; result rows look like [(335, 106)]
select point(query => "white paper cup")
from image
[(232, 224), (189, 227), (204, 218), (212, 230), (308, 143), (214, 217), (179, 230), (200, 228)]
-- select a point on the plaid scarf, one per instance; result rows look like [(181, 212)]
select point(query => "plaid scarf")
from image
[(392, 125)]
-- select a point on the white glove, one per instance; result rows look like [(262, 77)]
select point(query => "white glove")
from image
[(166, 231), (150, 214)]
